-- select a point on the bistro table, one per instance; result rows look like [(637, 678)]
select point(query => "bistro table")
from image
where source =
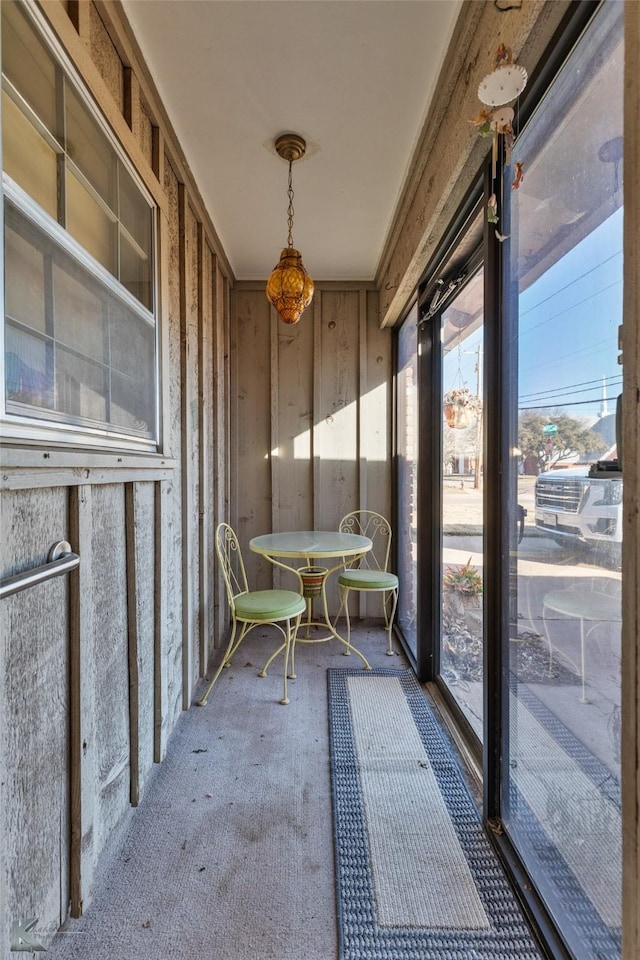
[(309, 546)]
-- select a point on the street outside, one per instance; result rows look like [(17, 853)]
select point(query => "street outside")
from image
[(563, 737), (545, 567)]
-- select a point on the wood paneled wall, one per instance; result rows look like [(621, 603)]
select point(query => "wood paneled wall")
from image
[(310, 416), (98, 666), (34, 698)]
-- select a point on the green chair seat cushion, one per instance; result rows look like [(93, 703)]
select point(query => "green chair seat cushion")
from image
[(368, 580), (259, 605)]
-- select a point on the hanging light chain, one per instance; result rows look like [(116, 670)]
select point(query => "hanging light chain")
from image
[(289, 287), (290, 211)]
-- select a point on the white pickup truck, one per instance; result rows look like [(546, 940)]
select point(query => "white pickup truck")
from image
[(581, 504)]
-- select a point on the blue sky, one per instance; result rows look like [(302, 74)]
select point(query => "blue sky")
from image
[(569, 322), (568, 330)]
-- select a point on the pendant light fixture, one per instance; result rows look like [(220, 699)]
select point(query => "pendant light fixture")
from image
[(290, 288)]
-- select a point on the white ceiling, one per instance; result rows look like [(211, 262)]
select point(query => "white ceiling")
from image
[(353, 77)]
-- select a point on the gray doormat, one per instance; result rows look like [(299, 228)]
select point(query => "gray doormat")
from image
[(417, 878)]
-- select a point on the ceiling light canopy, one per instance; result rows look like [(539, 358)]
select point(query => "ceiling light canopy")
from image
[(290, 288)]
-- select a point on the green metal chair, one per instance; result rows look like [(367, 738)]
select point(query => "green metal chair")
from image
[(282, 609), (370, 573)]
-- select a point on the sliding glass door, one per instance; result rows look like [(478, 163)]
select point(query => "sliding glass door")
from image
[(407, 478), (510, 532), (461, 471), (563, 306), (439, 471)]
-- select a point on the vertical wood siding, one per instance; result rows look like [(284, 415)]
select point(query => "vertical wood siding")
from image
[(33, 699), (82, 745), (310, 415), (98, 665), (107, 694), (190, 398), (251, 426), (140, 540), (171, 530), (292, 414), (221, 453), (105, 56), (207, 478)]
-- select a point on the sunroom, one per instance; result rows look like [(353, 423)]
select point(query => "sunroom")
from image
[(467, 369)]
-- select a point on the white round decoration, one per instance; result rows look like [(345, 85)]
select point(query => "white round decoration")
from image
[(502, 85)]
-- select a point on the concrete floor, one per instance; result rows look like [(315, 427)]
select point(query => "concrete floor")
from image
[(230, 852)]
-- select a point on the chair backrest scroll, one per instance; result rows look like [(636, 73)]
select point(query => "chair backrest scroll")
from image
[(370, 524), (231, 562)]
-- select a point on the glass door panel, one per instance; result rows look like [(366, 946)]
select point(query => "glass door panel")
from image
[(561, 799), (462, 524), (407, 477)]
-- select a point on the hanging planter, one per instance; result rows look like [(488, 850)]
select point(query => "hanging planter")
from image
[(460, 408), (457, 417)]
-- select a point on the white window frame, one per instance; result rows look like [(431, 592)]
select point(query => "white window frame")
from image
[(19, 428)]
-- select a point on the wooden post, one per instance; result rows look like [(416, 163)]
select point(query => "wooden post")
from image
[(131, 106), (81, 734), (204, 494), (132, 641), (185, 432), (160, 640)]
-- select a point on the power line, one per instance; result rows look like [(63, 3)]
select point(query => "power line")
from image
[(581, 383), (572, 306), (563, 391), (574, 403), (570, 284)]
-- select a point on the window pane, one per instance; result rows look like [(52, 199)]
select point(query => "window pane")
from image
[(93, 361), (132, 404), (88, 147), (135, 272), (564, 276), (79, 315), (132, 342), (135, 213), (90, 224), (80, 387), (24, 280), (462, 639), (407, 467), (28, 158), (105, 367), (29, 375), (28, 64), (133, 371)]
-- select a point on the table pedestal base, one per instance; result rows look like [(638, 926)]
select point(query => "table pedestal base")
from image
[(304, 633)]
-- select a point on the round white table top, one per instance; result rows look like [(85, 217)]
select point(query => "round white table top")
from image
[(310, 543), (584, 604)]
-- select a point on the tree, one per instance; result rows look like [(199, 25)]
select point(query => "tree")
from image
[(569, 442)]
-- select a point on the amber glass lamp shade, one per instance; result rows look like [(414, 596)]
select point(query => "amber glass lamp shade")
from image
[(290, 288)]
